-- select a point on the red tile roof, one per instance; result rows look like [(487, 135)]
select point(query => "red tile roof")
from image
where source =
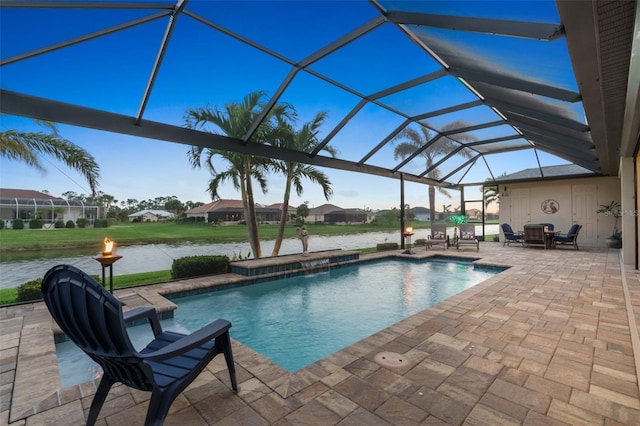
[(216, 205), (25, 193)]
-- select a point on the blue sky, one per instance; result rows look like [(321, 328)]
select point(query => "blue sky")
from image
[(203, 67)]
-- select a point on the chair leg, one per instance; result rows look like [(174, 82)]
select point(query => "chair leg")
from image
[(99, 398), (159, 405), (225, 342)]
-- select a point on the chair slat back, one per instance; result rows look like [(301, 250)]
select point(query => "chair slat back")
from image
[(438, 232), (467, 231), (92, 318)]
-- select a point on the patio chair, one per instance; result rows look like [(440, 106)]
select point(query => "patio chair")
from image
[(570, 237), (549, 226), (534, 236), (509, 235), (468, 236), (438, 236), (93, 319)]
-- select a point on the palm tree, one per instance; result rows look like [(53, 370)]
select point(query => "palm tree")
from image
[(410, 140), (304, 140), (491, 195), (234, 121), (27, 146)]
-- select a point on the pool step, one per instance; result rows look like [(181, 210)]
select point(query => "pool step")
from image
[(314, 261)]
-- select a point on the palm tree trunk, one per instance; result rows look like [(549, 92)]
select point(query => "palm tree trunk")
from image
[(250, 213), (284, 212)]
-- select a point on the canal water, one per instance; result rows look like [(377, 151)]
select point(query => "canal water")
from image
[(18, 268)]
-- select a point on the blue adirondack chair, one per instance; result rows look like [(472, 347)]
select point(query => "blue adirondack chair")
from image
[(93, 319)]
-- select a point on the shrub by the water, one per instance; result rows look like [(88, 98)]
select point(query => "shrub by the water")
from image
[(421, 242), (194, 266), (70, 224), (387, 246), (18, 224), (59, 224), (30, 291)]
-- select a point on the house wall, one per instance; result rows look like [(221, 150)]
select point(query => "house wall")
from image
[(7, 214), (149, 217), (577, 199)]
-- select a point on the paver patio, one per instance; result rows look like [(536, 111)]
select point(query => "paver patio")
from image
[(550, 341)]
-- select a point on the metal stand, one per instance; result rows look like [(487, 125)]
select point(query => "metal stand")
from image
[(407, 236), (107, 261)]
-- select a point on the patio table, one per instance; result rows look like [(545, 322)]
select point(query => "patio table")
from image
[(550, 238)]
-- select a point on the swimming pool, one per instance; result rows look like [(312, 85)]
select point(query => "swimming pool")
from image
[(297, 321)]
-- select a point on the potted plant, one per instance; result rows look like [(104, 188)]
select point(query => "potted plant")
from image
[(612, 209)]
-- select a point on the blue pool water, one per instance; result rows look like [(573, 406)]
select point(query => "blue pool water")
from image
[(297, 321)]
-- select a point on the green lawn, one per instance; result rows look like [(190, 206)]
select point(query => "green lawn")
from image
[(156, 233)]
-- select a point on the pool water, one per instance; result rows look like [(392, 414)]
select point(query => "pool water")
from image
[(297, 321)]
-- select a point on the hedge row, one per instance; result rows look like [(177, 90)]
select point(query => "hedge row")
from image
[(195, 266)]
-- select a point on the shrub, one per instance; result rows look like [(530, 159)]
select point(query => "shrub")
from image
[(194, 266), (18, 224), (70, 224), (29, 291), (35, 224), (1, 224), (82, 222), (101, 223), (59, 224), (387, 246), (420, 242)]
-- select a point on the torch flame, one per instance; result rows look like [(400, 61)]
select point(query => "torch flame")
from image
[(409, 229), (108, 246)]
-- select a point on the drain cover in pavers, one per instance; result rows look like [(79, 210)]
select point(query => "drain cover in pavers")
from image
[(390, 359)]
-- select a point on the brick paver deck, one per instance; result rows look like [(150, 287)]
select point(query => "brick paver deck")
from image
[(550, 341)]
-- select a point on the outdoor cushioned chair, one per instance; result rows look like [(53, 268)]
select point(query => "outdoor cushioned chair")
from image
[(93, 319), (467, 236), (438, 236), (548, 225), (509, 235), (570, 237), (533, 236)]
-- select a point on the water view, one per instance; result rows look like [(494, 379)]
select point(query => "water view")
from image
[(18, 268)]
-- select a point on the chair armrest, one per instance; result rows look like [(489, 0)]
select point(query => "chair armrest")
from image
[(190, 341), (147, 312)]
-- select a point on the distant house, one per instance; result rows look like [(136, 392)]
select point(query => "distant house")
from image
[(290, 209), (346, 216), (232, 211), (316, 214), (474, 214), (27, 204), (150, 216), (421, 214)]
